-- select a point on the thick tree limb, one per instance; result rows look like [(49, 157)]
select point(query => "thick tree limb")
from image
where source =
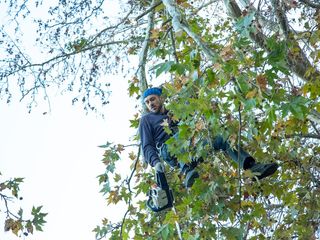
[(297, 62), (179, 23), (281, 16), (144, 51)]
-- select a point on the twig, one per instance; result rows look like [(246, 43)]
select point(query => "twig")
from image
[(124, 219), (152, 7), (315, 127), (6, 199), (174, 46), (315, 136), (134, 169), (204, 6), (128, 181), (111, 27), (239, 145)]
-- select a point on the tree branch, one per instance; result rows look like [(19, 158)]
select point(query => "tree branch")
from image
[(315, 136), (65, 56), (311, 4), (128, 181), (111, 27), (144, 51), (174, 46), (314, 116), (204, 5), (179, 23), (151, 8), (298, 63), (315, 127), (281, 16)]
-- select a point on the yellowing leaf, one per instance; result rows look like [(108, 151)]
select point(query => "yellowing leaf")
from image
[(251, 94), (227, 53), (155, 33), (132, 156), (120, 148), (117, 177), (262, 82)]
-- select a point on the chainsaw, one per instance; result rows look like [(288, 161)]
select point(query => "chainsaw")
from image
[(160, 197)]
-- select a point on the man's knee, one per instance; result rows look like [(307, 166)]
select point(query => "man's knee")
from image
[(219, 143)]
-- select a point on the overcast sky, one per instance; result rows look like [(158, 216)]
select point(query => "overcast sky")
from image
[(58, 155)]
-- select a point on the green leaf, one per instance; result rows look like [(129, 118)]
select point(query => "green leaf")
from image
[(162, 67), (164, 231)]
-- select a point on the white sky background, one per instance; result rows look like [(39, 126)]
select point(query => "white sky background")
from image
[(59, 158)]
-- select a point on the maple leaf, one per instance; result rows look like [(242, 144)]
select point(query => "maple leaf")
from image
[(227, 53), (120, 148), (251, 94), (165, 123), (262, 82)]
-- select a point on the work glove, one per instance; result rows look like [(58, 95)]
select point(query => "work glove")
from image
[(159, 167)]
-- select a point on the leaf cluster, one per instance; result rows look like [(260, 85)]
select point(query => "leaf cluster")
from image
[(16, 222)]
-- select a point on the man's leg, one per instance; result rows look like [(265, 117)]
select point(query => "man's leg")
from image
[(245, 160), (186, 169)]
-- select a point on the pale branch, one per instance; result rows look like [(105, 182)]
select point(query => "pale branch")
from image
[(15, 45), (64, 56), (274, 206), (144, 51), (315, 127), (6, 199), (204, 5), (315, 136), (174, 46), (111, 27), (311, 4), (298, 63), (22, 7), (314, 116), (79, 20), (179, 23), (132, 145), (281, 16), (151, 8)]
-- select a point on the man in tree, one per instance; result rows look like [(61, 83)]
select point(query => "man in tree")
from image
[(153, 138)]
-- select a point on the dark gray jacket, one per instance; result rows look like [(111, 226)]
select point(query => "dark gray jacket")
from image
[(152, 133)]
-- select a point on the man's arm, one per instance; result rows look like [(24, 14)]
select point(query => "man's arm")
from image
[(147, 142)]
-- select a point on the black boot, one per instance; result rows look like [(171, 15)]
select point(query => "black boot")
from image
[(191, 176), (262, 170)]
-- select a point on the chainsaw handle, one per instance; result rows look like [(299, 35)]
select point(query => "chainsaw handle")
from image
[(162, 180), (155, 209), (151, 206)]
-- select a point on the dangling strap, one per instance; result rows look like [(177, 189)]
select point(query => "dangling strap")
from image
[(159, 148)]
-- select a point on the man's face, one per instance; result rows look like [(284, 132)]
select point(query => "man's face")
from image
[(153, 103)]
